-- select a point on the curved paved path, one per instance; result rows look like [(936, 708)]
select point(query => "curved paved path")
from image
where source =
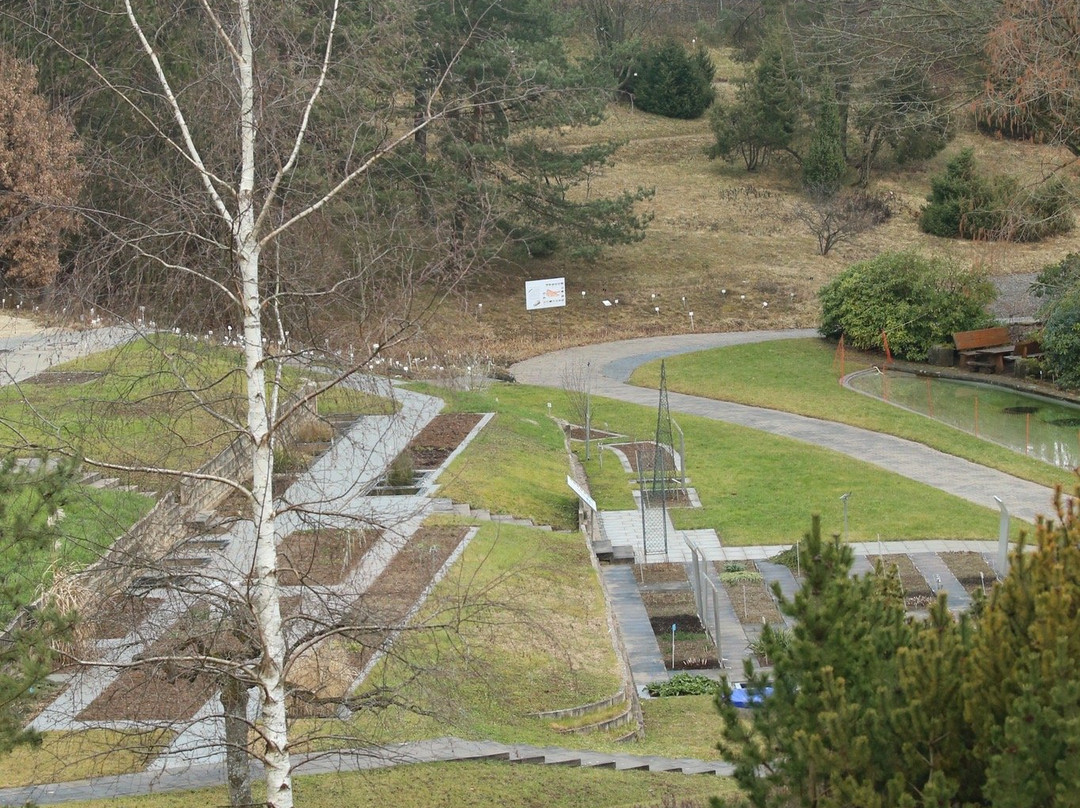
[(611, 364)]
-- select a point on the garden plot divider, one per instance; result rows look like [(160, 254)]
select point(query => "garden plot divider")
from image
[(706, 599)]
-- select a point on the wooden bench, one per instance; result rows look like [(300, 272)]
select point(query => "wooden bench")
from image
[(983, 348)]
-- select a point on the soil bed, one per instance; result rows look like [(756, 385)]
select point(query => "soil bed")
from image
[(753, 602), (917, 592), (693, 648), (326, 673), (576, 432), (666, 573), (117, 617), (438, 440), (648, 454), (322, 557), (971, 570), (162, 691)]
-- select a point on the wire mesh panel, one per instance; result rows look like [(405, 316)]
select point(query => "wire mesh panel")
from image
[(653, 514), (706, 598)]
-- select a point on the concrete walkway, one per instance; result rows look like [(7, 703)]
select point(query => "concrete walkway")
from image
[(610, 365)]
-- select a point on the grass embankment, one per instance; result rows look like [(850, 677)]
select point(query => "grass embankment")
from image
[(93, 519), (472, 785), (64, 756), (160, 402), (518, 626), (718, 227), (801, 376)]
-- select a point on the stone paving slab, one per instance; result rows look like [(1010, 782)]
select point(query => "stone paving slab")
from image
[(781, 575), (646, 662), (938, 575)]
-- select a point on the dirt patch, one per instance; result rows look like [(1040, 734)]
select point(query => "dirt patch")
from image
[(321, 557), (323, 675), (438, 440), (117, 617), (754, 604), (917, 592), (673, 496), (170, 690), (63, 378), (971, 570), (575, 432), (666, 573), (647, 451), (693, 648)]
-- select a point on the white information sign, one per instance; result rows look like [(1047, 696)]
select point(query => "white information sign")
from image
[(583, 495), (549, 293)]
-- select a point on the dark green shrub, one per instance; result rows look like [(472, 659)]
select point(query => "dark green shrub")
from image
[(673, 82), (917, 301), (1054, 281), (684, 684), (824, 166), (966, 204), (1061, 340)]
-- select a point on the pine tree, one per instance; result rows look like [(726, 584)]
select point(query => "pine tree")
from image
[(824, 166), (1023, 686), (30, 499)]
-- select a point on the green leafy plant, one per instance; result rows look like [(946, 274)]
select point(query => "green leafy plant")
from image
[(400, 474), (1061, 340), (684, 684)]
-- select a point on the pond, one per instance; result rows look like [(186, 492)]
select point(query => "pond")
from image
[(1044, 428)]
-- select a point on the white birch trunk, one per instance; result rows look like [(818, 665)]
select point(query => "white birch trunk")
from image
[(265, 594)]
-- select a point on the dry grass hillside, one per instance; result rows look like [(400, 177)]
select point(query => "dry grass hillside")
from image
[(715, 228)]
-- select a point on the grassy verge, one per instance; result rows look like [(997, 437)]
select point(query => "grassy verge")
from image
[(157, 401), (66, 756), (517, 465), (800, 376), (476, 785), (93, 519), (755, 488), (517, 627)]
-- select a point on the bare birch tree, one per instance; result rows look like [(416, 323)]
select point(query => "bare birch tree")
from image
[(250, 167)]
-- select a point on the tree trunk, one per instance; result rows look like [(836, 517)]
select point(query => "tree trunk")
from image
[(234, 706), (265, 593)]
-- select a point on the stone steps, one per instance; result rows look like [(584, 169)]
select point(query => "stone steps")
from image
[(442, 505)]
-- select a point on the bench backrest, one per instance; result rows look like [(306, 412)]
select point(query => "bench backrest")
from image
[(981, 338)]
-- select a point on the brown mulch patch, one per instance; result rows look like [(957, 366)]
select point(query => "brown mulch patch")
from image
[(674, 497), (162, 691), (971, 570), (753, 602), (321, 557), (56, 378), (440, 438), (576, 432), (117, 617), (917, 592), (648, 454), (668, 572), (693, 648), (329, 669)]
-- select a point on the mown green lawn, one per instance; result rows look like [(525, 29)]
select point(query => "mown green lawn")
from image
[(755, 488), (802, 376)]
